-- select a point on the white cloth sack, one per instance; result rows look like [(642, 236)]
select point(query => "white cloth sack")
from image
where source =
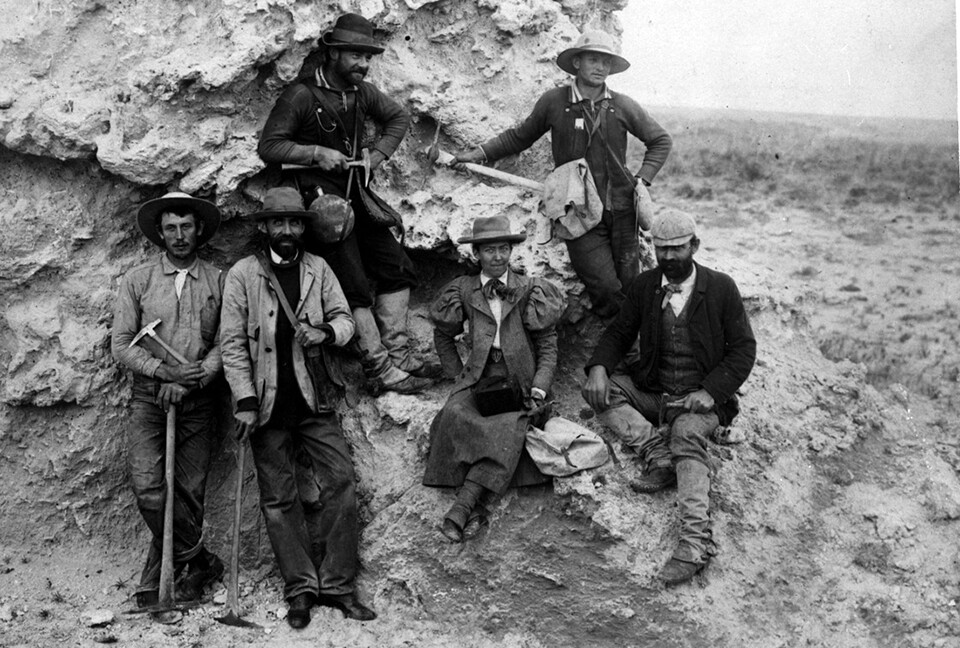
[(571, 200), (563, 447)]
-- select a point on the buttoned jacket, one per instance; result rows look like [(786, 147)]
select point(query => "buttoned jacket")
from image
[(528, 337), (724, 346), (249, 327)]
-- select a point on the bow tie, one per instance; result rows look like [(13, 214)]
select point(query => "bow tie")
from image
[(496, 288), (669, 290)]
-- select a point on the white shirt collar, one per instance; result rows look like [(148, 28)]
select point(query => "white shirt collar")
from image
[(484, 278)]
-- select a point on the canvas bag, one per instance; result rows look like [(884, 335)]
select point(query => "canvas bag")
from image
[(563, 447), (571, 201)]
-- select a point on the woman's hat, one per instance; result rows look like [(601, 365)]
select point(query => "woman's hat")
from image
[(352, 32), (204, 210), (593, 40), (492, 229)]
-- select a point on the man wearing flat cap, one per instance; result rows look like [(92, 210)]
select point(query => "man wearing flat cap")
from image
[(588, 120), (319, 122), (184, 293), (281, 307), (696, 350)]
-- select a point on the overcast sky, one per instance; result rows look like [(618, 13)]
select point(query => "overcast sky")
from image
[(849, 57)]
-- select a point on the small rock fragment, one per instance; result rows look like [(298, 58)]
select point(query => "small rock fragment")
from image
[(220, 597), (97, 618), (6, 613), (104, 637), (6, 100)]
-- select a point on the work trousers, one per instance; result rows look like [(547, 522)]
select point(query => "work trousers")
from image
[(315, 542), (674, 435), (196, 426), (607, 259)]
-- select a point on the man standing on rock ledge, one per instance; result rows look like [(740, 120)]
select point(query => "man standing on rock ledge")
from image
[(319, 122), (696, 349), (588, 120), (183, 293), (286, 402)]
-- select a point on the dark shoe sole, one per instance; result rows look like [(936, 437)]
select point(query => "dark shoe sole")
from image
[(655, 481)]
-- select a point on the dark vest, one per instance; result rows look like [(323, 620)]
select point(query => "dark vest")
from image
[(677, 366)]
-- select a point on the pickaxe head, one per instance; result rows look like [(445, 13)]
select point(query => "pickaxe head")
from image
[(363, 163), (149, 329)]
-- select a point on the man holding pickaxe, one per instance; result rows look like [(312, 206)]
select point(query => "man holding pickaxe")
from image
[(318, 123), (166, 331)]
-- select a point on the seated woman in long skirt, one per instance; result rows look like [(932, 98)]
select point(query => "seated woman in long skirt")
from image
[(512, 335)]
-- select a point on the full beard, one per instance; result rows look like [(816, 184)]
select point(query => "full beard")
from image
[(286, 246), (677, 271)]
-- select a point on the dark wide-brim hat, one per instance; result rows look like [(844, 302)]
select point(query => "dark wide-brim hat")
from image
[(283, 202), (492, 229), (178, 201), (593, 40), (352, 32)]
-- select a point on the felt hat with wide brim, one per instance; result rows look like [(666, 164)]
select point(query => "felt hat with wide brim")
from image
[(492, 229), (352, 32), (178, 201), (593, 40), (283, 202)]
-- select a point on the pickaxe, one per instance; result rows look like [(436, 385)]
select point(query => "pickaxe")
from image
[(362, 163), (150, 329), (232, 617), (166, 610), (436, 156)]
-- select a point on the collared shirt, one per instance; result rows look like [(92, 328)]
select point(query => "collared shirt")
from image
[(679, 299), (189, 324), (496, 304)]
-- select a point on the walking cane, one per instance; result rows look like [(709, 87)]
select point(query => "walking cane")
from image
[(232, 617)]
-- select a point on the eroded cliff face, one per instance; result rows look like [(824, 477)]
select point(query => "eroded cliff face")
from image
[(104, 104)]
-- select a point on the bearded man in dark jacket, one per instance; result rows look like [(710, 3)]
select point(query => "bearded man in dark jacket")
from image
[(696, 349)]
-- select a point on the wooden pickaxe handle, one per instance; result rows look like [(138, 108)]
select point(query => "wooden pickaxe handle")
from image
[(169, 349), (503, 176)]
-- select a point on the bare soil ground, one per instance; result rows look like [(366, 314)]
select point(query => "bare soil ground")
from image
[(835, 228)]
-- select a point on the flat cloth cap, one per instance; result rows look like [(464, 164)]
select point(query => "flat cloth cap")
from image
[(673, 227)]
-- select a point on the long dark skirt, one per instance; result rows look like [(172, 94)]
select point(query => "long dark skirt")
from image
[(488, 450)]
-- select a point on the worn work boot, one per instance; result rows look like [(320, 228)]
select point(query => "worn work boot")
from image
[(349, 604), (377, 364), (680, 570), (298, 616), (655, 479), (203, 570), (391, 311)]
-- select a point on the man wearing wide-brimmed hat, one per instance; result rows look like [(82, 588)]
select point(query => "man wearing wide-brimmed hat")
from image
[(512, 320), (285, 388), (588, 120), (696, 350), (184, 293), (318, 122)]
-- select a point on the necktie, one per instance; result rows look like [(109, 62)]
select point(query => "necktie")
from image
[(496, 288), (669, 290), (179, 281)]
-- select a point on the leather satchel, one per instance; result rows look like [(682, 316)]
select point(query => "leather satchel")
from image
[(498, 394), (323, 367)]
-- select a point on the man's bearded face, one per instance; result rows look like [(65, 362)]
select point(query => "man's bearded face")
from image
[(676, 261), (351, 66), (285, 235)]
